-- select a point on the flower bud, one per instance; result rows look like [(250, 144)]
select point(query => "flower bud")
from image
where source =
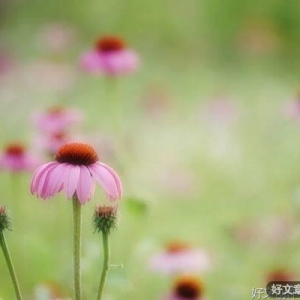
[(105, 218), (4, 219)]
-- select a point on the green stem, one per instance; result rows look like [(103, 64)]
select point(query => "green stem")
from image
[(10, 266), (105, 268), (77, 246)]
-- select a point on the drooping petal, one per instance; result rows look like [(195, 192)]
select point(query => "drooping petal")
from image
[(71, 180), (37, 175), (116, 178), (41, 182), (84, 186), (46, 186), (108, 179), (56, 179)]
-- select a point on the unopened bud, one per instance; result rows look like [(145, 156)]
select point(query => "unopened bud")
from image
[(4, 219), (105, 218)]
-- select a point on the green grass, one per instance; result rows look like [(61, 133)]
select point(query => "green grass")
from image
[(245, 174)]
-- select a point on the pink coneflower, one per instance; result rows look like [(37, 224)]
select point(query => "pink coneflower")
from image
[(56, 120), (180, 257), (111, 57), (75, 170), (16, 158), (187, 288)]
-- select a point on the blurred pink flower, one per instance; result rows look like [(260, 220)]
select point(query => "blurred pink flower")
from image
[(187, 288), (56, 120), (56, 37), (110, 57), (50, 143), (75, 171), (180, 258), (16, 158)]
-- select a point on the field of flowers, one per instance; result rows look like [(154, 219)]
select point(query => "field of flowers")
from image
[(192, 107)]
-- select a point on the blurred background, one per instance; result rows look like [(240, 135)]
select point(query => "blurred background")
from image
[(207, 146)]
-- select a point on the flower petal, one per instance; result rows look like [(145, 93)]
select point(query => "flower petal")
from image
[(46, 185), (37, 175), (84, 186), (56, 179), (108, 179), (71, 180), (41, 180), (116, 178)]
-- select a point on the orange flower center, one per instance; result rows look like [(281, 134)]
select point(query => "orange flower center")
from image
[(177, 247), (105, 211), (15, 149), (110, 44), (188, 288), (76, 154), (56, 110)]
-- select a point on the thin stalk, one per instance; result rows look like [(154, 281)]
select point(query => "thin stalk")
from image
[(77, 247), (105, 268), (10, 266)]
